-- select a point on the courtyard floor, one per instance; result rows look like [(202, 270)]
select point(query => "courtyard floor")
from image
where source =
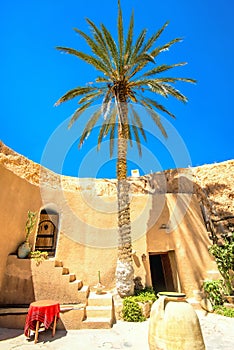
[(218, 333)]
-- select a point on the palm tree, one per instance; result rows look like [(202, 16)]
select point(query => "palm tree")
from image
[(125, 81)]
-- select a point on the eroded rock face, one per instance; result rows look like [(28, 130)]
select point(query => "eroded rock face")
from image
[(124, 278), (213, 184)]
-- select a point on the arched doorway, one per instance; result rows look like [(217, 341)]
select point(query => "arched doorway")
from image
[(47, 231)]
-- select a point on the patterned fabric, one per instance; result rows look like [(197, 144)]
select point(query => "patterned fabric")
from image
[(43, 311)]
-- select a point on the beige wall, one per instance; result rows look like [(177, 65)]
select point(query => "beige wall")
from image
[(87, 234), (17, 196)]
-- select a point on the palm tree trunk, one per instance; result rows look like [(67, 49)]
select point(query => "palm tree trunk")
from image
[(124, 270)]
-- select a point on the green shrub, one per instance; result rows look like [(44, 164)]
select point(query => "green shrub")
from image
[(224, 311), (146, 294), (131, 309), (224, 256), (213, 291)]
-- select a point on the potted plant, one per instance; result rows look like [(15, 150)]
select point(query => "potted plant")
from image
[(24, 248), (99, 287)]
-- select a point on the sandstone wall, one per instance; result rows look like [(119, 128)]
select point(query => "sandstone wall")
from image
[(165, 213)]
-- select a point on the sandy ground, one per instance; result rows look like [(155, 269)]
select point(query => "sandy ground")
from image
[(218, 333)]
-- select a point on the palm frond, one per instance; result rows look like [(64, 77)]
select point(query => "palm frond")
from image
[(111, 45), (145, 58), (89, 126), (112, 131), (90, 96), (98, 36), (137, 48), (69, 95), (120, 37), (174, 80), (78, 113), (158, 106), (174, 92), (137, 138), (157, 120), (102, 80), (96, 49), (87, 58), (154, 37), (106, 126), (106, 103), (129, 39), (165, 47), (152, 84), (137, 121), (162, 68)]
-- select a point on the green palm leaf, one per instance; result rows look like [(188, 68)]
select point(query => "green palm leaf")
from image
[(89, 126), (129, 40), (96, 49), (87, 58), (78, 113), (154, 37), (74, 93), (165, 47), (158, 106), (120, 37), (111, 45), (90, 96), (98, 36), (137, 138), (136, 120), (162, 68), (175, 93)]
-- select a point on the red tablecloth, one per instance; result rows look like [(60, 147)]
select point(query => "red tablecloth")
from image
[(43, 311)]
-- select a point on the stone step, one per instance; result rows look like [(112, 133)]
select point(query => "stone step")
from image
[(100, 300), (58, 263), (78, 283), (99, 311), (97, 323), (83, 294), (65, 271), (72, 277)]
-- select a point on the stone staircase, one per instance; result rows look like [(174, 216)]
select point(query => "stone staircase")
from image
[(99, 311), (80, 308)]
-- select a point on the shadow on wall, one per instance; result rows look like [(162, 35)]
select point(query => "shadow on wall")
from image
[(176, 224)]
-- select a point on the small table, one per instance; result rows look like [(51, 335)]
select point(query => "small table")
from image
[(41, 311)]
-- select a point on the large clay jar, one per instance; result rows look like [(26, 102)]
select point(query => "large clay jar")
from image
[(174, 324), (23, 250)]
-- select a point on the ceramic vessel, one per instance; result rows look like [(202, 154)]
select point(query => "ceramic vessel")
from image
[(174, 324), (23, 250)]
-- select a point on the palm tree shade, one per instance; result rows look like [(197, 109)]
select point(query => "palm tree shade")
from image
[(128, 77)]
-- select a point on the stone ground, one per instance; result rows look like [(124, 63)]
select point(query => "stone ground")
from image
[(218, 333)]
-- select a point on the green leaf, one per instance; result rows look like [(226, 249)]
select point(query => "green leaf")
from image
[(74, 93), (78, 113)]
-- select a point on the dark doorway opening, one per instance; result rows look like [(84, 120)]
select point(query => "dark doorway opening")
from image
[(161, 272)]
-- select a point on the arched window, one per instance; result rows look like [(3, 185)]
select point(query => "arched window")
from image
[(47, 231)]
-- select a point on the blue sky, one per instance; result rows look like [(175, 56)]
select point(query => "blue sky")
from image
[(34, 75)]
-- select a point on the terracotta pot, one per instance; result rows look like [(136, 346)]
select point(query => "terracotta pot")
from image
[(23, 250), (174, 324)]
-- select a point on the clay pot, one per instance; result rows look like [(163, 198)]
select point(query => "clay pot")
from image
[(174, 324), (23, 250)]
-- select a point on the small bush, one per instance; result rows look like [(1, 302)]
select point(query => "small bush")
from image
[(132, 311), (224, 311), (213, 291)]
